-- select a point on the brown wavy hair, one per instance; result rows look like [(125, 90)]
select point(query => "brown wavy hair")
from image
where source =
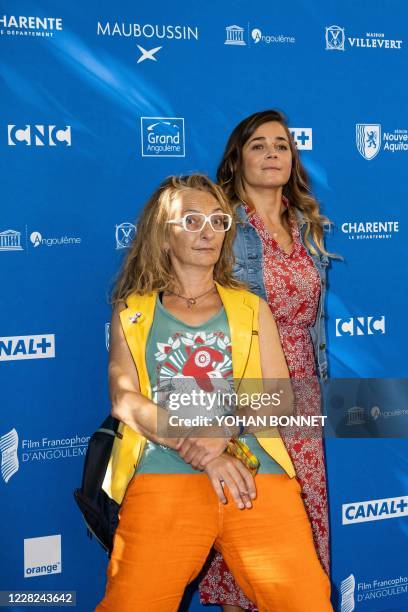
[(297, 189), (147, 266)]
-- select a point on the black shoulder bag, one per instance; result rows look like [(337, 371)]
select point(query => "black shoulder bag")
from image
[(99, 511)]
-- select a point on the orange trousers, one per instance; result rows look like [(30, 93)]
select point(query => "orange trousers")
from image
[(169, 523)]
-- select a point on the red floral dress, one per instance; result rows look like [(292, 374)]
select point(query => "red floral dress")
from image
[(292, 286)]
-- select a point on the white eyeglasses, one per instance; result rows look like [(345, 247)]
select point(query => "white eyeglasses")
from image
[(194, 222)]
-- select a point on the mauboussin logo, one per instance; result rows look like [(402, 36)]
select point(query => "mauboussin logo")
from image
[(162, 137)]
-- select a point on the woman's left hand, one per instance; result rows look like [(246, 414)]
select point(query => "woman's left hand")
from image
[(229, 471)]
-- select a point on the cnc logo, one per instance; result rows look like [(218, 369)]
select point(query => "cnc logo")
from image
[(360, 326), (39, 135)]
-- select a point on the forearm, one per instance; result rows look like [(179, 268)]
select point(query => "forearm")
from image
[(141, 415)]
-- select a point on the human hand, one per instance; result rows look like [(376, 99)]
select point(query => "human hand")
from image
[(200, 451), (231, 472)]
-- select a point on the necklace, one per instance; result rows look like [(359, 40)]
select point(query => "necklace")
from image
[(192, 301), (280, 232), (284, 244)]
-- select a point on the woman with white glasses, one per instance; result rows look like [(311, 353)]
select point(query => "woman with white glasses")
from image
[(181, 322)]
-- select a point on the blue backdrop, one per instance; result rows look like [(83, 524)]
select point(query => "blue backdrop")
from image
[(98, 104)]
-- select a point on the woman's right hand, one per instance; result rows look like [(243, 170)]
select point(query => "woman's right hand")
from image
[(227, 470)]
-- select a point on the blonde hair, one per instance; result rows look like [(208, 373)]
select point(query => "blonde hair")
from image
[(148, 267), (297, 190)]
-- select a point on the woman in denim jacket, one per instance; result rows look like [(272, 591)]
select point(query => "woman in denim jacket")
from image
[(279, 252)]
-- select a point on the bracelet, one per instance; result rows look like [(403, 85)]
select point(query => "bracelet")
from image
[(241, 451)]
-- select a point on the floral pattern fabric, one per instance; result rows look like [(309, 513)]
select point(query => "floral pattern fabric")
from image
[(292, 285)]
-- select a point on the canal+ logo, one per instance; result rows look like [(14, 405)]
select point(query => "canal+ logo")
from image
[(375, 510), (303, 138), (41, 346), (162, 137)]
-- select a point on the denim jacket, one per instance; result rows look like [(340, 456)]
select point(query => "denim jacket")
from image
[(249, 269)]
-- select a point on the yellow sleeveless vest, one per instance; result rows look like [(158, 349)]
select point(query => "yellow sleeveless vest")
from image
[(242, 309)]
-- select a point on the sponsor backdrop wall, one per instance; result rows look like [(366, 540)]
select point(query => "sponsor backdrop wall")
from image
[(98, 104)]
